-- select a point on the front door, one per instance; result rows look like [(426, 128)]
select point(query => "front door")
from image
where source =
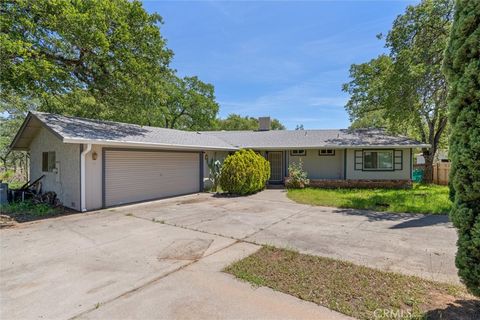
[(276, 166)]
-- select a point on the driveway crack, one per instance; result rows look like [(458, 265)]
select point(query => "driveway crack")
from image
[(274, 223), (150, 283)]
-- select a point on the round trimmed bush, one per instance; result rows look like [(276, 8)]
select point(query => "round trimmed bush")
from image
[(244, 172)]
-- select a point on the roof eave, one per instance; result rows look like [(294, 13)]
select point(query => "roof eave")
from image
[(18, 135), (398, 146), (147, 145)]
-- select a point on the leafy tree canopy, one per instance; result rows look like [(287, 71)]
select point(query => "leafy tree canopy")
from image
[(89, 58), (237, 122), (405, 91), (103, 59)]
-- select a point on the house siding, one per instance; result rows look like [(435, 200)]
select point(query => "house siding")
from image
[(403, 174), (320, 167), (67, 157), (93, 179)]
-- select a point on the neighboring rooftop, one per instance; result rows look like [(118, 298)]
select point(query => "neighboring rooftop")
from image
[(81, 130)]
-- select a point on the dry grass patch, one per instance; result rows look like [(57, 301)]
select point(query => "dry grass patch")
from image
[(355, 290)]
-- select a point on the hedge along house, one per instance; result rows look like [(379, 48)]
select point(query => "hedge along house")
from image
[(93, 164)]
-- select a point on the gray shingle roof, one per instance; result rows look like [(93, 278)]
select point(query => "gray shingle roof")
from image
[(288, 139), (81, 130), (73, 128)]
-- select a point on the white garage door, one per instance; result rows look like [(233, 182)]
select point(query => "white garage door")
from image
[(132, 176)]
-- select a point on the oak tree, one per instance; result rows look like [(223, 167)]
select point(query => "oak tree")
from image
[(405, 91)]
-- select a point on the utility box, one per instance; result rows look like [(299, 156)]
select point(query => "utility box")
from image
[(417, 175)]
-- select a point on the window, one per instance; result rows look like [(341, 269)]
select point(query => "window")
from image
[(48, 161), (326, 152), (378, 160), (298, 152)]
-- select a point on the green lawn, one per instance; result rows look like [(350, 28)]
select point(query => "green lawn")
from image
[(354, 290), (420, 199), (29, 211)]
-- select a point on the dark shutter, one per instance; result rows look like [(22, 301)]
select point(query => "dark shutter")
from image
[(45, 161), (358, 160), (398, 160)]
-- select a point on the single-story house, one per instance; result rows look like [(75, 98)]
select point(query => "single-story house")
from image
[(93, 164)]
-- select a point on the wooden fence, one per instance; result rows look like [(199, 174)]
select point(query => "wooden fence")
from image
[(441, 171)]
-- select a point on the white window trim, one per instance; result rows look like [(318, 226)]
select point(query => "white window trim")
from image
[(301, 154), (332, 153)]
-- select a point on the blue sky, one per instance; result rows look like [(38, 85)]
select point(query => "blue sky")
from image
[(285, 59)]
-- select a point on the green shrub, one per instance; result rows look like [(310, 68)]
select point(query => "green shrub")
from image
[(297, 177), (244, 172)]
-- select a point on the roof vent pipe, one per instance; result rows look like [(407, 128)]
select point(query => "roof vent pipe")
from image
[(264, 124)]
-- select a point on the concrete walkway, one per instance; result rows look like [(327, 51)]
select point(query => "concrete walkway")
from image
[(202, 291)]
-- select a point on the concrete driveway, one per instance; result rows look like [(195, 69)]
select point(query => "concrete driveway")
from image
[(163, 259), (113, 265), (422, 245)]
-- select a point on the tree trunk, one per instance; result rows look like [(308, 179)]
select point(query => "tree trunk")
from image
[(428, 173)]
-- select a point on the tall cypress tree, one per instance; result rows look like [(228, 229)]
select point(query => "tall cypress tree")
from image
[(462, 68)]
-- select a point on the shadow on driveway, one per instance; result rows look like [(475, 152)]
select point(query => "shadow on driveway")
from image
[(424, 221), (406, 220)]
